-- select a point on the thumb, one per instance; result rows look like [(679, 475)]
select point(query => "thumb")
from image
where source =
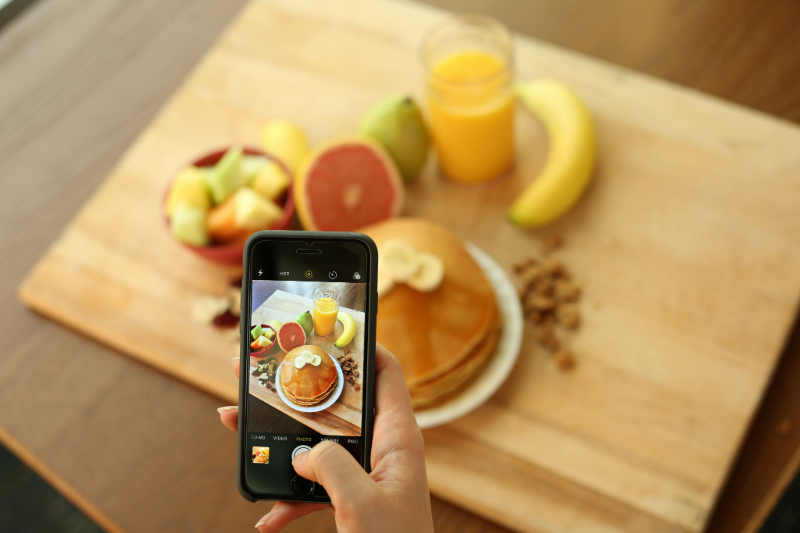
[(334, 468)]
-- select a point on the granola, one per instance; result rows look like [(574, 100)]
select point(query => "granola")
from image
[(549, 299)]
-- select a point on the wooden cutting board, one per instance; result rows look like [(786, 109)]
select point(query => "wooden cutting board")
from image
[(686, 245), (344, 416)]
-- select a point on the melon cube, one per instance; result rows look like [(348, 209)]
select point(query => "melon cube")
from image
[(227, 175), (271, 181), (189, 188), (188, 224), (263, 341), (256, 332), (253, 211), (251, 165)]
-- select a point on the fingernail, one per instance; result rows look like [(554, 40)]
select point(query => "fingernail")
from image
[(234, 360), (298, 460), (221, 410), (264, 520)]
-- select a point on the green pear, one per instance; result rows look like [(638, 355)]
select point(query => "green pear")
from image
[(396, 123), (306, 322)]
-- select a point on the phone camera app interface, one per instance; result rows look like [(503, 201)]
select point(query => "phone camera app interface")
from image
[(305, 383)]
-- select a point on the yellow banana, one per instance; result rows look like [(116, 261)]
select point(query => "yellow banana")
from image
[(570, 158)]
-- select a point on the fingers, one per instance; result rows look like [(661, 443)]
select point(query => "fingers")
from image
[(284, 512), (391, 393), (393, 411), (229, 417), (334, 468), (397, 438)]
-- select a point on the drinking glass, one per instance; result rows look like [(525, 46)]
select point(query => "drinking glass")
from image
[(468, 60)]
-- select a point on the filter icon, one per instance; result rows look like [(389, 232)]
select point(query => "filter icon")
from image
[(356, 276)]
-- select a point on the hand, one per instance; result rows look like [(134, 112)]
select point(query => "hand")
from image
[(394, 497)]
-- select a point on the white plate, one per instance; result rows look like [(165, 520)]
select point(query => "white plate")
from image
[(500, 364), (314, 408)]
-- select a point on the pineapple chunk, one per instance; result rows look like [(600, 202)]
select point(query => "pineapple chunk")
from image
[(263, 341), (271, 181), (253, 211), (189, 188)]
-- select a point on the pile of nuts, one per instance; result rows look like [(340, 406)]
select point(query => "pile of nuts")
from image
[(265, 372), (549, 297), (349, 369)]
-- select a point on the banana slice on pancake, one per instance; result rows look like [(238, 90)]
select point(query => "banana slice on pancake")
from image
[(429, 274), (400, 259), (401, 263), (385, 279)]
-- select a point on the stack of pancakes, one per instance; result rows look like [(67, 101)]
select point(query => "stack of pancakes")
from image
[(310, 385), (442, 338)]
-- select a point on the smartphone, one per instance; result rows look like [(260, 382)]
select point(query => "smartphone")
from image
[(309, 304)]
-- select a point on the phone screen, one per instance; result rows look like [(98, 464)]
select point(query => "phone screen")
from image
[(307, 327)]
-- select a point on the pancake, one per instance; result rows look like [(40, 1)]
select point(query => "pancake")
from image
[(431, 391), (311, 384), (431, 333)]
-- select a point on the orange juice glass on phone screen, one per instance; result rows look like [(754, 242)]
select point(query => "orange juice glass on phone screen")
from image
[(470, 97), (326, 309)]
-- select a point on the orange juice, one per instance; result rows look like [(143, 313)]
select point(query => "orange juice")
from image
[(325, 312), (472, 116)]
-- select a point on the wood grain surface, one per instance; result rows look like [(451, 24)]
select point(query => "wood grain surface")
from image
[(344, 416), (671, 236), (103, 69)]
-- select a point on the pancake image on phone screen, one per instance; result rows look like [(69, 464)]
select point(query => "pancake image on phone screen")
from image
[(260, 455), (308, 375), (307, 356), (438, 312)]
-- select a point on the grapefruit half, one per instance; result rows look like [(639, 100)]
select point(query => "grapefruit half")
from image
[(346, 184), (290, 335)]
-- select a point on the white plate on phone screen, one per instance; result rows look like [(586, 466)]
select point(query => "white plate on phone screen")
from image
[(330, 400), (500, 364)]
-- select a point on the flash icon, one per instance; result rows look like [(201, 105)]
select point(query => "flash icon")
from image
[(260, 272)]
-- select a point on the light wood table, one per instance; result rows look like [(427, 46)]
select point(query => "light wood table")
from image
[(81, 78)]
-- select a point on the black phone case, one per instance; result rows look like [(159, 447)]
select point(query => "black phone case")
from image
[(369, 352)]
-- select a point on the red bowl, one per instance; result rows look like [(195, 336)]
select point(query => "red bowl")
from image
[(257, 355), (231, 254)]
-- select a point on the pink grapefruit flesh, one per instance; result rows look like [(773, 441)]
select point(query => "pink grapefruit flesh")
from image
[(290, 336), (347, 184)]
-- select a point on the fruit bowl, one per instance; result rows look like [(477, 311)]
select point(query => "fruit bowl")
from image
[(231, 253), (257, 354)]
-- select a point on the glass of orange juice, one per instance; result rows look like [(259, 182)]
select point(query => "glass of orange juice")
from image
[(326, 309), (470, 97)]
